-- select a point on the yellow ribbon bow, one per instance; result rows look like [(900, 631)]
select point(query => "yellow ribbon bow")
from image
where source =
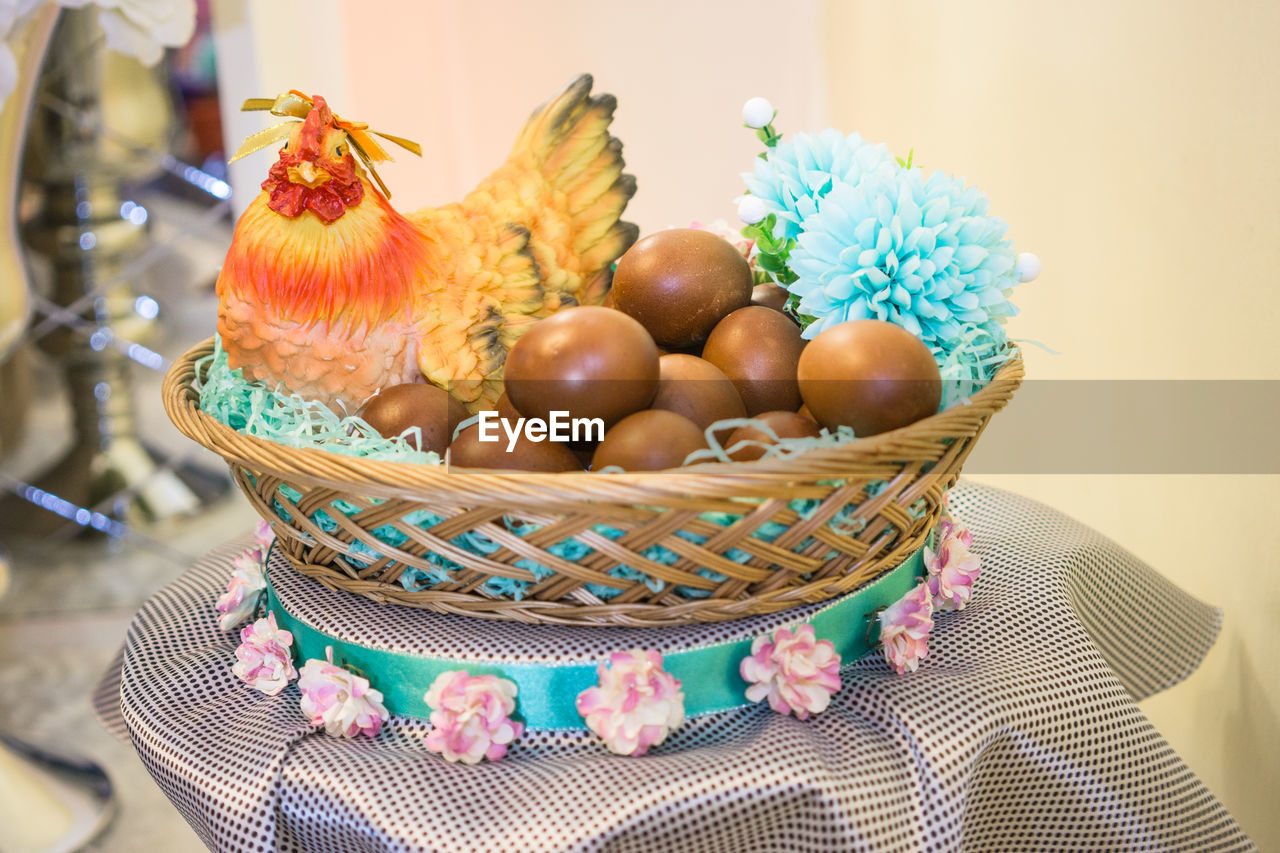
[(295, 106)]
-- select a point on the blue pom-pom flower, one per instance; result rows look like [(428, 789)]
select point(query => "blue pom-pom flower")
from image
[(855, 234), (802, 170), (918, 252)]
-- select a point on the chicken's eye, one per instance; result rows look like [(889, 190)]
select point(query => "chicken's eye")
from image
[(286, 145), (337, 151)]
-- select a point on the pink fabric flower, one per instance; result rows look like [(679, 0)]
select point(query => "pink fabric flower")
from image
[(794, 671), (471, 716), (263, 535), (248, 581), (264, 659), (340, 700), (244, 590), (636, 705), (905, 627), (952, 568)]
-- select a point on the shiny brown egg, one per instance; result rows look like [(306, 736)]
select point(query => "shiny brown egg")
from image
[(783, 424), (589, 361), (680, 282), (758, 349), (870, 375), (415, 404), (468, 451), (770, 295), (652, 440), (505, 409), (697, 389)]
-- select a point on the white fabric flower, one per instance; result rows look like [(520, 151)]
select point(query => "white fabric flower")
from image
[(137, 28), (144, 28)]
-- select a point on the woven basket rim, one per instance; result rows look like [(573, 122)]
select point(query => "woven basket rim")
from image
[(916, 463), (182, 406)]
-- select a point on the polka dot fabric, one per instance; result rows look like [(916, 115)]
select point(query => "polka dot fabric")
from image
[(1019, 731)]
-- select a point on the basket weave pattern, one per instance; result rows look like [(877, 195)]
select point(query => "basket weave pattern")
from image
[(851, 536)]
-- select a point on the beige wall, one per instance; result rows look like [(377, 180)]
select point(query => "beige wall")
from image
[(461, 77), (1132, 145)]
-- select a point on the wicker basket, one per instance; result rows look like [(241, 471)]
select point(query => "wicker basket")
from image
[(848, 535)]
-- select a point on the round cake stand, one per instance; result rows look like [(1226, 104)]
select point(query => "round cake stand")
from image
[(1020, 730)]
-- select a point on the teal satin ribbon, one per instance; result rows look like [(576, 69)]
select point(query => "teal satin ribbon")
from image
[(708, 675)]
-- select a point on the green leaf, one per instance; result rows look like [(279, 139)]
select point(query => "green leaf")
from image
[(792, 308), (770, 263)]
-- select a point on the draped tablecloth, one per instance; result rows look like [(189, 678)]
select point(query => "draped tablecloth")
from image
[(1019, 731)]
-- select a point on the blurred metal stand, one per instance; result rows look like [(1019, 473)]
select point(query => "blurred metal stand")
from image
[(48, 803), (93, 236)]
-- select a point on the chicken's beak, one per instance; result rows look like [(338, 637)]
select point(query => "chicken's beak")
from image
[(308, 174)]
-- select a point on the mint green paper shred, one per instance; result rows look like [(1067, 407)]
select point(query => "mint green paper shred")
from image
[(253, 409), (971, 364)]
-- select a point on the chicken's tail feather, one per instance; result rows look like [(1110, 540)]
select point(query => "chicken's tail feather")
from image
[(568, 139), (538, 234)]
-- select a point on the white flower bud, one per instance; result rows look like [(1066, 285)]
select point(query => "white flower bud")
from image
[(1027, 266), (751, 209), (757, 112)]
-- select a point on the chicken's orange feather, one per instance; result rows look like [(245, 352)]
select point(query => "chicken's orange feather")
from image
[(360, 270)]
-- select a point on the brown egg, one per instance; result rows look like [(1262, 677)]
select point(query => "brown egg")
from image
[(652, 440), (758, 348), (870, 375), (695, 351), (783, 424), (505, 409), (680, 282), (697, 389), (769, 295), (468, 451), (400, 407), (583, 451), (589, 361)]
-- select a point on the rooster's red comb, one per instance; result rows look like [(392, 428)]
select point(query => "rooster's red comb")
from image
[(297, 106)]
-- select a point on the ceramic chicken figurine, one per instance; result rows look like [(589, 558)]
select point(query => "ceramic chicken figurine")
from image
[(330, 292)]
